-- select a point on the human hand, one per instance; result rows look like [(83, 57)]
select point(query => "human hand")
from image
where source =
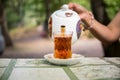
[(77, 8), (85, 15)]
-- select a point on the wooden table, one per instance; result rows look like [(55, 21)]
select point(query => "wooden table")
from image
[(39, 69)]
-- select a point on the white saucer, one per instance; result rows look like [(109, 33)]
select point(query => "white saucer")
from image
[(70, 61)]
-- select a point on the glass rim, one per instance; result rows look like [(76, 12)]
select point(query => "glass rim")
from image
[(59, 32)]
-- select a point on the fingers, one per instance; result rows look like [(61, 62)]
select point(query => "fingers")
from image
[(71, 5), (76, 7)]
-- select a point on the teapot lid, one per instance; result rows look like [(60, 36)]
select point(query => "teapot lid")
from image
[(65, 12)]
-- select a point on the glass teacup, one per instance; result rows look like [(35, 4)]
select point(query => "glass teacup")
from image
[(62, 44)]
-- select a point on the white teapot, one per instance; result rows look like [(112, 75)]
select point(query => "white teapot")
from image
[(67, 17)]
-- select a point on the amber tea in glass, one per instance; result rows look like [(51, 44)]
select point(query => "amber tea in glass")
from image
[(62, 44)]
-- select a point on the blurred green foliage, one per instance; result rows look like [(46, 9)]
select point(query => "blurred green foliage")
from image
[(112, 7), (32, 12)]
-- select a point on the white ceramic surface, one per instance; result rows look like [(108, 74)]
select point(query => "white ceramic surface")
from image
[(70, 61), (67, 17)]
